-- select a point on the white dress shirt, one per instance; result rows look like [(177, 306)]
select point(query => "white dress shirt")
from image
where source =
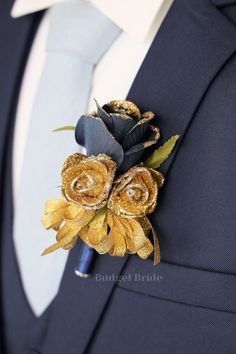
[(139, 20)]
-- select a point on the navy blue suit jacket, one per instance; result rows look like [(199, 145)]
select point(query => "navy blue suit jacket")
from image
[(189, 79)]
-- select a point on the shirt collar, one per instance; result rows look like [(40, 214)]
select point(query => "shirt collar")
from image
[(132, 16)]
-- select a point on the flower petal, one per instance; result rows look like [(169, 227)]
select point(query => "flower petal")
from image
[(123, 107), (92, 133), (130, 160), (138, 133), (68, 231), (101, 113), (152, 139), (122, 124), (104, 246), (65, 236), (54, 212), (158, 176), (134, 154), (97, 229), (135, 233), (73, 211), (72, 160)]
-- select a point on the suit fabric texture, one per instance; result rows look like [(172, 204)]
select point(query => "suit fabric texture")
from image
[(189, 305)]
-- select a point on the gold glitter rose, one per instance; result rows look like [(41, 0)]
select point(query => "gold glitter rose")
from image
[(87, 180), (135, 193)]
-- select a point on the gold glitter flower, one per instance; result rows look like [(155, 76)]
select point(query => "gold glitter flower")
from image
[(87, 180), (135, 193)]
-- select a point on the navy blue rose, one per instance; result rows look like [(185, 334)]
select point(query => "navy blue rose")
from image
[(119, 130)]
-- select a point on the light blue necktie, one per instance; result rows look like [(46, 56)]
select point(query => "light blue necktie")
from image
[(78, 37)]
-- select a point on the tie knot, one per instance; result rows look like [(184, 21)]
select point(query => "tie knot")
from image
[(76, 26)]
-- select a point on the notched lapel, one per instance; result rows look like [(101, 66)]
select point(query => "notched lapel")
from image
[(193, 44)]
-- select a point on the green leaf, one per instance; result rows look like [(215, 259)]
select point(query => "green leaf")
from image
[(162, 153), (66, 127)]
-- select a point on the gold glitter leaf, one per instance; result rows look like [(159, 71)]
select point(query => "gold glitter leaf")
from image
[(54, 212), (97, 229), (69, 220)]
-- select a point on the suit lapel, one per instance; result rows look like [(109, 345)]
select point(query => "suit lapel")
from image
[(193, 44)]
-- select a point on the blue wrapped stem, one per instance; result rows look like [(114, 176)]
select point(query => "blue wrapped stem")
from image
[(85, 261)]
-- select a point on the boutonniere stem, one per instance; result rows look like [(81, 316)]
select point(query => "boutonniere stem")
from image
[(85, 261)]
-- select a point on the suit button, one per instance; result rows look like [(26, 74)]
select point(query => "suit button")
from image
[(30, 351)]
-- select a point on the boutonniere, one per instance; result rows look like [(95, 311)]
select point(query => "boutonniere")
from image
[(108, 194)]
